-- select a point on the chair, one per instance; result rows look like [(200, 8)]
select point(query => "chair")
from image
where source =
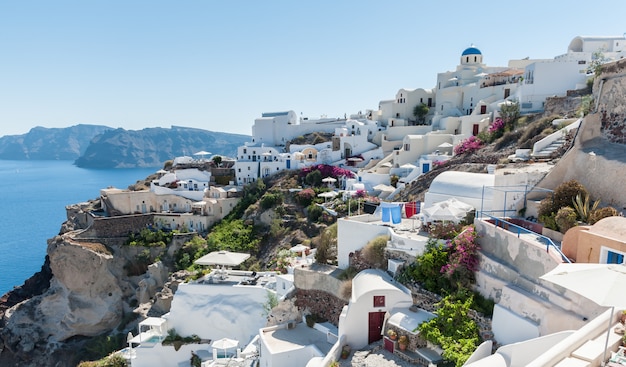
[(619, 358)]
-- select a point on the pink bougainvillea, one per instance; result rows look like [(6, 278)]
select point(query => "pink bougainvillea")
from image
[(327, 171), (463, 258), (468, 145), (496, 126)]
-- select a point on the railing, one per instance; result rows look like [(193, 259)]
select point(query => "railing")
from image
[(499, 222)]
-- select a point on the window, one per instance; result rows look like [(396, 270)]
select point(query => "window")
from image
[(614, 257), (379, 301), (244, 150), (407, 147)]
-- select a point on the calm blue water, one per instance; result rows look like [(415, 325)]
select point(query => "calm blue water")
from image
[(33, 196)]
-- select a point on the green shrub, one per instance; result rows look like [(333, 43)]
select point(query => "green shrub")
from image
[(100, 348), (565, 218), (602, 213), (374, 252), (427, 268), (453, 330), (271, 199), (148, 237), (562, 196), (113, 360), (314, 212), (190, 252), (305, 197), (583, 208)]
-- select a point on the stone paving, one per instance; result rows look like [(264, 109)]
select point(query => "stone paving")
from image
[(374, 356)]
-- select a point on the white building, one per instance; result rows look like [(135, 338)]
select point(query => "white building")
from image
[(374, 293), (570, 71)]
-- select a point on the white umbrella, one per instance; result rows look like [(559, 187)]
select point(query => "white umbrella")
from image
[(450, 210), (202, 153), (383, 187), (603, 284), (445, 145), (224, 258), (225, 343), (299, 248), (329, 179), (327, 194)]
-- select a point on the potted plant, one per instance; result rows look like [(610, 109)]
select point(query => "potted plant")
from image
[(403, 341), (345, 351), (392, 334)]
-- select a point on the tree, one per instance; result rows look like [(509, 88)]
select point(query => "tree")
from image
[(314, 178), (327, 246), (597, 59), (510, 113), (217, 160), (420, 111)]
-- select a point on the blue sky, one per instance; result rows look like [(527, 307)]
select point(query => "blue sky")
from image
[(217, 65)]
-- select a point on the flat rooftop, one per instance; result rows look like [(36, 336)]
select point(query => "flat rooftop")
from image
[(284, 340), (230, 278)]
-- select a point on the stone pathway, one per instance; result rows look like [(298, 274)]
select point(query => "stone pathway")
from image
[(373, 357)]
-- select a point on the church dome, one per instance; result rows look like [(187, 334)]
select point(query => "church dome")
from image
[(471, 51)]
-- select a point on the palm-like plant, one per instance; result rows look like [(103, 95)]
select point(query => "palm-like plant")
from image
[(583, 208)]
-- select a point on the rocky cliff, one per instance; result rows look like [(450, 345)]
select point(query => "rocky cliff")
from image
[(89, 286), (153, 146), (97, 146), (45, 144)]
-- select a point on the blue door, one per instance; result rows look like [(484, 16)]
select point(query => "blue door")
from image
[(425, 167)]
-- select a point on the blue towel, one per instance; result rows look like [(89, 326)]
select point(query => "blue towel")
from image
[(386, 214), (396, 214)]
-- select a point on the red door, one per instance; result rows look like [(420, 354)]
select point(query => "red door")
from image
[(375, 326), (475, 130)]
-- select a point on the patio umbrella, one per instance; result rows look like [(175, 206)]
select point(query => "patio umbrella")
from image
[(329, 180), (328, 194), (299, 248), (603, 284), (225, 343), (383, 187), (224, 258), (202, 153), (450, 210)]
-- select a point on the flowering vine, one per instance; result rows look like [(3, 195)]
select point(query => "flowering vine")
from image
[(463, 259), (468, 145)]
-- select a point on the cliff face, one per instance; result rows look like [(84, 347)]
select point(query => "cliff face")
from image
[(97, 146), (152, 147), (45, 144), (90, 290)]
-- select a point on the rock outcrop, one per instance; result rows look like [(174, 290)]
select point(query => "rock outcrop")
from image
[(87, 292)]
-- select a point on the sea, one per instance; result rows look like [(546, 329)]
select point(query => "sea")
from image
[(33, 196)]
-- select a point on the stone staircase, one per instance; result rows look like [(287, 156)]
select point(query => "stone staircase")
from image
[(546, 152)]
